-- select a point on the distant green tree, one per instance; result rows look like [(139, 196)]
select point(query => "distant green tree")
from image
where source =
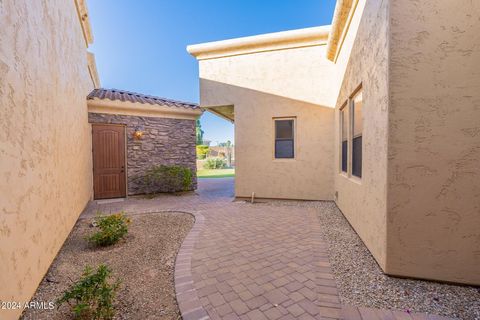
[(225, 144), (199, 132)]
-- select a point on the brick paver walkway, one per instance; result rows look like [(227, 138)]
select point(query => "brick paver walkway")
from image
[(263, 263), (244, 261)]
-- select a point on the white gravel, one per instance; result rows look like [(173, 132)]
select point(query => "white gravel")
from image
[(361, 282)]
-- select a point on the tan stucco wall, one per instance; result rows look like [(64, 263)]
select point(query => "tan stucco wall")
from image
[(363, 201), (434, 141), (280, 83), (45, 142)]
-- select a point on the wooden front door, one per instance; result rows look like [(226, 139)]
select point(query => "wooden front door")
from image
[(108, 161)]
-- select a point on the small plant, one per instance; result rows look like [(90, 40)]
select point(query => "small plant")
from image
[(112, 228), (92, 296), (164, 178), (214, 163), (202, 151)]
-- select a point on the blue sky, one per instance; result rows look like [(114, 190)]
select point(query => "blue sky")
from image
[(140, 45)]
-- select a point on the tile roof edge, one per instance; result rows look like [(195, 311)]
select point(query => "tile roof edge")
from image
[(100, 94)]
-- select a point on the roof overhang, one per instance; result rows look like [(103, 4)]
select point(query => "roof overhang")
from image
[(82, 12), (141, 109), (264, 42), (92, 69), (225, 112), (342, 17)]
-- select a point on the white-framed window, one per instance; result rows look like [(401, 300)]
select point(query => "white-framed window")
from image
[(344, 137), (357, 132), (284, 145), (351, 135)]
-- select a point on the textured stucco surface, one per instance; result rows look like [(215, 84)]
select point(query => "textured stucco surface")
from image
[(264, 85), (434, 141), (45, 142), (363, 202), (165, 141)]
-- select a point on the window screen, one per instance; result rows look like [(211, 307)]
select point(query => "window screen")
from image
[(357, 135), (284, 139)]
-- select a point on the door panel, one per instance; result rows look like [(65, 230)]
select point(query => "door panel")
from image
[(108, 161)]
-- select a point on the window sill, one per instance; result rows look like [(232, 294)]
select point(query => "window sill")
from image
[(353, 179), (284, 159)]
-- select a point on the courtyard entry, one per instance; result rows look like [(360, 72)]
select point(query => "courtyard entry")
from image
[(108, 146), (134, 133)]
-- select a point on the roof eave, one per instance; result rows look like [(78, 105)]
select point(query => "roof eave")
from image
[(259, 43), (108, 106), (342, 17), (92, 68), (82, 12), (220, 114)]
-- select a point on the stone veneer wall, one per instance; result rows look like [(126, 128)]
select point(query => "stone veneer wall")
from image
[(165, 141)]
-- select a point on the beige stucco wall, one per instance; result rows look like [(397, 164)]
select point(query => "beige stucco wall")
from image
[(434, 141), (363, 201), (280, 83), (45, 142)]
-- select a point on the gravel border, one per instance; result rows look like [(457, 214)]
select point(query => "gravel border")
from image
[(144, 262), (362, 283)]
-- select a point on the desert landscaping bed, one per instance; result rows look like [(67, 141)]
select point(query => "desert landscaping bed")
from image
[(362, 283), (144, 262)]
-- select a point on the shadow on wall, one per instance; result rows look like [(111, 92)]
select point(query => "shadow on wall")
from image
[(215, 93), (309, 175)]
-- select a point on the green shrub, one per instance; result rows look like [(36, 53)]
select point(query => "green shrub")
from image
[(214, 163), (92, 296), (112, 228), (202, 151), (164, 178)]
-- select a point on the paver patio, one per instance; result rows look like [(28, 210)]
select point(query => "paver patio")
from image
[(262, 263), (251, 261)]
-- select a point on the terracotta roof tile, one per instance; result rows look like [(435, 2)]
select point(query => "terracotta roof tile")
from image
[(122, 95)]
